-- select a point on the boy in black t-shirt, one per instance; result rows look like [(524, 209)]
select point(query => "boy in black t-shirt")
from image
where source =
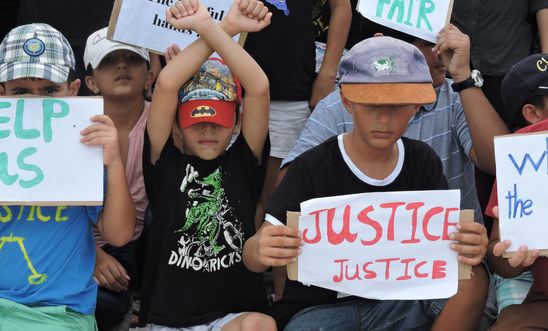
[(383, 83), (203, 199)]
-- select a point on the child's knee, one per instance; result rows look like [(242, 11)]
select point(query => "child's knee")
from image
[(258, 322)]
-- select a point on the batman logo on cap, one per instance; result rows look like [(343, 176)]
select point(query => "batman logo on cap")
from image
[(202, 111), (34, 47)]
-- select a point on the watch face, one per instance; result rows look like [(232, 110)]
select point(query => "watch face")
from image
[(476, 76)]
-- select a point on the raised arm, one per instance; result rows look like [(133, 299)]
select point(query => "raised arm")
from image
[(243, 66), (189, 14), (483, 121), (171, 78)]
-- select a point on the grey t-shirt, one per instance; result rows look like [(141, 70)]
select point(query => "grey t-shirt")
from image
[(500, 31)]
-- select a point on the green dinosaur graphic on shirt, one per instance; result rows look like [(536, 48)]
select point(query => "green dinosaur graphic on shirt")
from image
[(206, 209)]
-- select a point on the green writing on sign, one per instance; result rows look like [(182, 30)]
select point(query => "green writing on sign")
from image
[(13, 126), (409, 12)]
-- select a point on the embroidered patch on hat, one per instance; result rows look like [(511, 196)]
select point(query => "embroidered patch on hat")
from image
[(203, 111), (34, 47), (388, 65), (384, 64)]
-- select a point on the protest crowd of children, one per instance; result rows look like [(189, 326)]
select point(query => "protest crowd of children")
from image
[(206, 148)]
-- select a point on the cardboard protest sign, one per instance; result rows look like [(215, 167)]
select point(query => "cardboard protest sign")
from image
[(143, 23), (42, 161), (522, 182), (420, 18), (386, 245)]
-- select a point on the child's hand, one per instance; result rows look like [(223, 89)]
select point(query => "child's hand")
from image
[(171, 52), (472, 243), (277, 245), (187, 15), (103, 133), (247, 16), (109, 273), (522, 258)]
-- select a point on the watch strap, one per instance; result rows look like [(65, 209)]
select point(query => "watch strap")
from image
[(469, 82)]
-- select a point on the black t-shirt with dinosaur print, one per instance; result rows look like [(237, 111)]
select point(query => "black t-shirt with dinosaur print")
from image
[(203, 211)]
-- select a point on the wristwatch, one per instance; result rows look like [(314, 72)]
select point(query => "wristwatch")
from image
[(475, 79)]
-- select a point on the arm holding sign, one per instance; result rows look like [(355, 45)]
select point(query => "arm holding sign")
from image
[(117, 219), (466, 307), (483, 121), (517, 263)]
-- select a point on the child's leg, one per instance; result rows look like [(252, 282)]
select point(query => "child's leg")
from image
[(463, 310), (530, 315), (251, 322)]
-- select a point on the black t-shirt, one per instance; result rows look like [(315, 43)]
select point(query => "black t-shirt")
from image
[(285, 49), (75, 19), (321, 172), (203, 212), (360, 27)]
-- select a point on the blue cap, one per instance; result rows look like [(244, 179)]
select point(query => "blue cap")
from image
[(385, 70)]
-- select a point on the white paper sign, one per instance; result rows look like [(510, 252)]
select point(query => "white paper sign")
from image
[(420, 18), (42, 160), (143, 23), (389, 245), (522, 182)]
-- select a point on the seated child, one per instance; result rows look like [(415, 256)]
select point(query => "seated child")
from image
[(372, 157), (120, 74), (203, 199), (37, 59), (525, 96)]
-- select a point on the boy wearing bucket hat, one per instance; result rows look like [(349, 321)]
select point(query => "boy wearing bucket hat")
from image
[(37, 59), (384, 81), (120, 74), (525, 97), (203, 199)]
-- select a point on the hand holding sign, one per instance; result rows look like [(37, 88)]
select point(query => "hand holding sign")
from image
[(278, 245), (103, 133), (454, 48), (522, 258), (472, 243)]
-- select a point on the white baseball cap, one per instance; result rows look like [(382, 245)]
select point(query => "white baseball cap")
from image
[(98, 46)]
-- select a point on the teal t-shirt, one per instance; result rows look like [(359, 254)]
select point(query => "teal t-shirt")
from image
[(47, 256)]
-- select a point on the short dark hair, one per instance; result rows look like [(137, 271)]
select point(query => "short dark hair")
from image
[(519, 121), (71, 76)]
